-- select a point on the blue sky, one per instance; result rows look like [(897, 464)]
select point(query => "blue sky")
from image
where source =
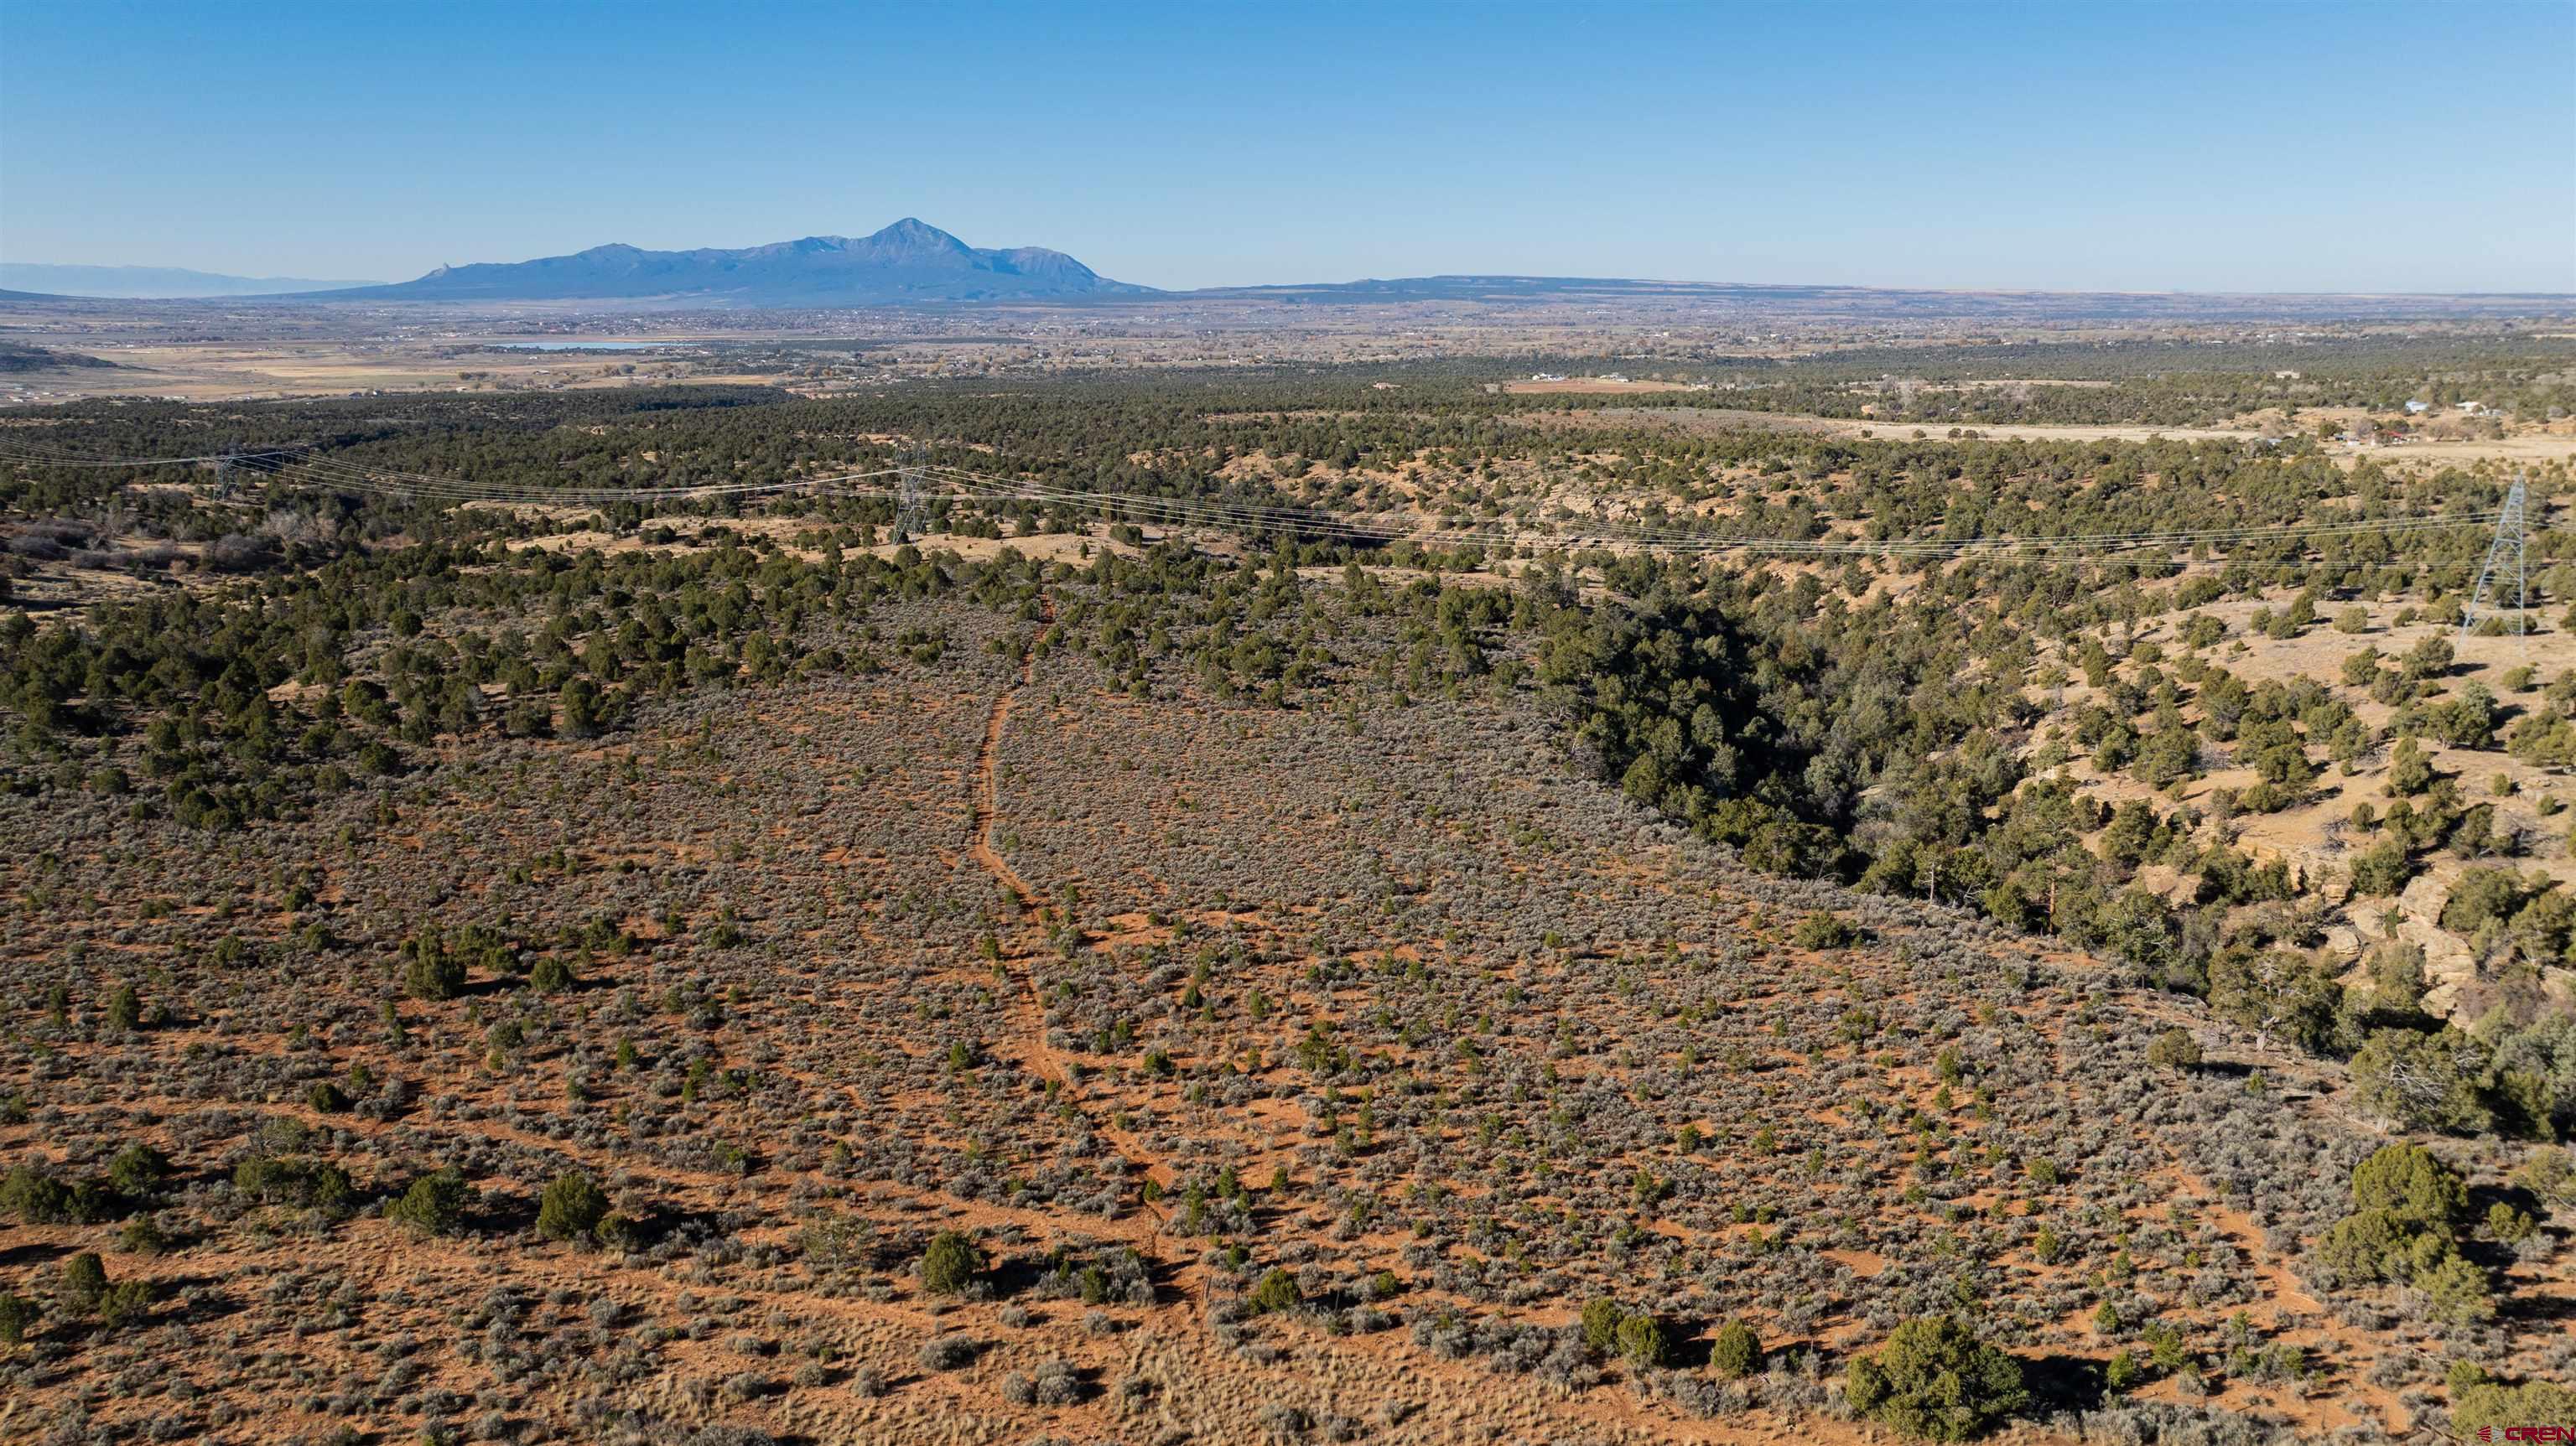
[(2250, 146)]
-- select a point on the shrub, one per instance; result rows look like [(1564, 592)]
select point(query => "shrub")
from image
[(571, 1207), (283, 1180), (2425, 1081), (1276, 1291), (84, 1281), (2456, 1292), (1936, 1381), (2409, 1181), (1056, 1383), (1601, 1324), (143, 1235), (948, 1353), (2551, 1175), (1641, 1341), (2175, 1049), (125, 1301), (2407, 1207), (950, 1264), (2380, 1245), (17, 1314), (2491, 1405), (1736, 1352), (434, 1203), (138, 1171), (2483, 896), (1822, 930), (551, 976), (621, 1231), (2381, 871), (434, 974), (35, 1197), (583, 714)]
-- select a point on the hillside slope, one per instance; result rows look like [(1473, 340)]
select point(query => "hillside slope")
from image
[(1379, 1002)]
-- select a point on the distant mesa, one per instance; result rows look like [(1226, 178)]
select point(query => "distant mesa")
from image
[(19, 357), (907, 262)]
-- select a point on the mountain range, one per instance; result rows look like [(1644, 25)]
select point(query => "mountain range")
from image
[(135, 283), (909, 261), (914, 263)]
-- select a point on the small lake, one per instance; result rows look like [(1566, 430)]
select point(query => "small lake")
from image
[(580, 345)]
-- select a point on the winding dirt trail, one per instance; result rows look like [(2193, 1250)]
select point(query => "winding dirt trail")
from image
[(988, 801), (1031, 1046)]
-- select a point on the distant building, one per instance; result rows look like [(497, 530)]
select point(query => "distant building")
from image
[(2473, 408), (2419, 407)]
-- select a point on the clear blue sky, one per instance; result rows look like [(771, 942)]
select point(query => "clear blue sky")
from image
[(2247, 146)]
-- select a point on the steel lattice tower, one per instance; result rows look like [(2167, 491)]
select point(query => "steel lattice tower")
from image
[(908, 508), (2512, 537)]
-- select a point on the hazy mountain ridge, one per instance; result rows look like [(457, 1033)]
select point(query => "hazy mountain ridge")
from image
[(1894, 302), (913, 263), (909, 261), (147, 283)]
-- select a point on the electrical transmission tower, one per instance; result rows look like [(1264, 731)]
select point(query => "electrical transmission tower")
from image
[(909, 505), (2512, 536)]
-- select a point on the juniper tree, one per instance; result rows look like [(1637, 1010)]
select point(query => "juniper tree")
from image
[(950, 1263), (570, 1207)]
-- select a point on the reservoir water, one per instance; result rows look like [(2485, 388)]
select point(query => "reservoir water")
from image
[(580, 345)]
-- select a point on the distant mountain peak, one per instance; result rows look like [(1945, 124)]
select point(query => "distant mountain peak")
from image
[(910, 261), (913, 237)]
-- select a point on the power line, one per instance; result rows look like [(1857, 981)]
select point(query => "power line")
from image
[(307, 465)]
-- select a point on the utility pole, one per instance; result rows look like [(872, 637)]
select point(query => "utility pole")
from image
[(2513, 533)]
